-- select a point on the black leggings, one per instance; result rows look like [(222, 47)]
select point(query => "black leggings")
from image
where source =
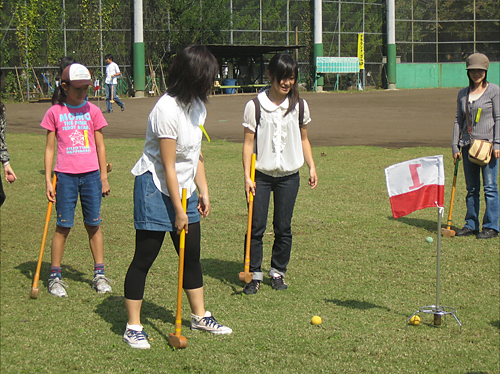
[(147, 247)]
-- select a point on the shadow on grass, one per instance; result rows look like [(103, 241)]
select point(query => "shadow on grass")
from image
[(416, 222), (68, 272), (495, 324), (356, 304), (112, 310), (226, 271)]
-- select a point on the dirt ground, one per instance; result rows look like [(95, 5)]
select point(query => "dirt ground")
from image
[(392, 119)]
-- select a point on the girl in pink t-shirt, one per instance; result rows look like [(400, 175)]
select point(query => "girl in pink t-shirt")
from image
[(80, 167)]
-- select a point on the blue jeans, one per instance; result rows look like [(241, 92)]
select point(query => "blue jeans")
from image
[(285, 191), (473, 180), (89, 187), (109, 106)]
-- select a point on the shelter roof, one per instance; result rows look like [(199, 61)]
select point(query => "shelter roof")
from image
[(227, 51)]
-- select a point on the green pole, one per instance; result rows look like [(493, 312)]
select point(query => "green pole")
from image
[(391, 44), (318, 43), (139, 67), (138, 50), (318, 52), (391, 66)]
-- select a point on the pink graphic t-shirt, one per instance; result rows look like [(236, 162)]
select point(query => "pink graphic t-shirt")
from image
[(75, 128)]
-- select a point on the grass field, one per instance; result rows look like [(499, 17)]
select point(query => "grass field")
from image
[(352, 264)]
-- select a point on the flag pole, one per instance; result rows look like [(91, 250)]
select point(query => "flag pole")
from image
[(417, 178), (437, 310), (437, 315)]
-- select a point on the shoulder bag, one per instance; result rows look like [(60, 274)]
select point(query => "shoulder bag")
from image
[(480, 150)]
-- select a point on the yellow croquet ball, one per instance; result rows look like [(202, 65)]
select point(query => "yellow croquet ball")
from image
[(316, 320), (415, 320)]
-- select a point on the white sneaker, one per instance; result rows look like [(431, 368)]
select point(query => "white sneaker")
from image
[(57, 287), (101, 284), (136, 339), (208, 323)]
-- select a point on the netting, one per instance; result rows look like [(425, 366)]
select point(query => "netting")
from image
[(35, 34)]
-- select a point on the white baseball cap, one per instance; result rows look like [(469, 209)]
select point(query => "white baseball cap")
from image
[(77, 75)]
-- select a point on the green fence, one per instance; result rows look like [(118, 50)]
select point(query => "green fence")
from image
[(439, 75)]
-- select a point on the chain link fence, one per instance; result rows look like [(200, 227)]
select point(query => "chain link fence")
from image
[(426, 31)]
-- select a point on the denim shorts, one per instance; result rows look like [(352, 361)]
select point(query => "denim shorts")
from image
[(89, 187), (154, 210)]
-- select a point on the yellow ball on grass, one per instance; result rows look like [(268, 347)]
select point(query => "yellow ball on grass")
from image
[(415, 320), (316, 320)]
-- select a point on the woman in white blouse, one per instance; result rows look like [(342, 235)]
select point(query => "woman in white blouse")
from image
[(278, 136), (171, 161)]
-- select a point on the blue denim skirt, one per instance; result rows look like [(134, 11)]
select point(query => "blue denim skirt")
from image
[(154, 210)]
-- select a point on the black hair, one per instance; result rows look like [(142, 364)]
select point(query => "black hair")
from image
[(59, 95), (64, 62), (283, 66), (485, 80), (109, 55), (191, 74)]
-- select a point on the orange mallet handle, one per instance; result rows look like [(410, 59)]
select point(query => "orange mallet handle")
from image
[(450, 214), (34, 288), (246, 276), (176, 340), (112, 99)]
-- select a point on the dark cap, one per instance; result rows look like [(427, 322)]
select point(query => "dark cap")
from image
[(477, 61), (77, 75)]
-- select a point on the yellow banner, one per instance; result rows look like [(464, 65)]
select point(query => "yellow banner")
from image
[(361, 50)]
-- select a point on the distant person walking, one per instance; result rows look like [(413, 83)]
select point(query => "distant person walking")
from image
[(478, 118), (112, 71)]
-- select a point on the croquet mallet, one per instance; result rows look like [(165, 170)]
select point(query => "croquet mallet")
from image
[(34, 288), (112, 98), (246, 276), (176, 340), (447, 231)]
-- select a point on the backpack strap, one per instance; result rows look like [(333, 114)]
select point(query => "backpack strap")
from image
[(301, 112), (257, 122), (257, 117), (257, 110)]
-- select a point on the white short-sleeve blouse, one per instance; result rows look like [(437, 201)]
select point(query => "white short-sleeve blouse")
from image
[(172, 120)]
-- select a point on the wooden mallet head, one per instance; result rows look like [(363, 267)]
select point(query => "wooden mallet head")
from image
[(448, 233), (34, 293), (246, 277), (177, 341)]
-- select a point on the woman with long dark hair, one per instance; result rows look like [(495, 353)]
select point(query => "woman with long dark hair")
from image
[(171, 161), (278, 136)]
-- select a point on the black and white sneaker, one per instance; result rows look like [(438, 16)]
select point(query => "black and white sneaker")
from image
[(278, 282), (252, 287), (136, 339), (208, 323)]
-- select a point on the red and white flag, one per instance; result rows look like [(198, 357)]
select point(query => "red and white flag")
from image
[(415, 184)]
